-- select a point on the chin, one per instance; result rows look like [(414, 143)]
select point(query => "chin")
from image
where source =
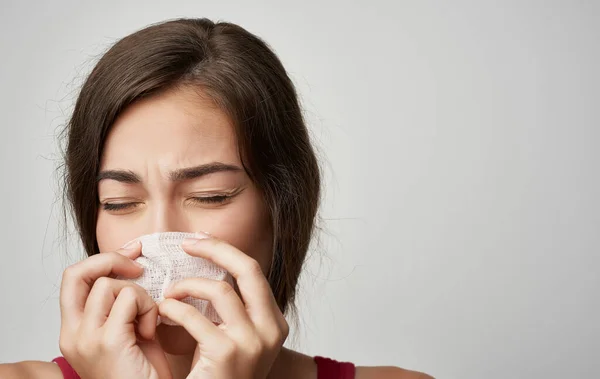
[(175, 340)]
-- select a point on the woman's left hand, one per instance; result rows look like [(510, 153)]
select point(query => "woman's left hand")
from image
[(248, 341)]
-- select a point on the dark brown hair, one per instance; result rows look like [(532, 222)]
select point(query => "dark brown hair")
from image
[(246, 79)]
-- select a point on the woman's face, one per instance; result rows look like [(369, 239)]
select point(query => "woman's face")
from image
[(171, 163)]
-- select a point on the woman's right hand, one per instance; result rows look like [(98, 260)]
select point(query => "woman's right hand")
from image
[(102, 317)]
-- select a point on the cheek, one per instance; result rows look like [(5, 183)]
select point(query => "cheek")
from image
[(103, 230), (112, 233), (246, 225)]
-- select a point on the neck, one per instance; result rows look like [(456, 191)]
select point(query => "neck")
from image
[(180, 365), (293, 365), (288, 365)]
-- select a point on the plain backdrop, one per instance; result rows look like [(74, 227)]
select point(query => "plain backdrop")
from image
[(459, 143)]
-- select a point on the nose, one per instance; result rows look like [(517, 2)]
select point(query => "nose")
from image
[(164, 217)]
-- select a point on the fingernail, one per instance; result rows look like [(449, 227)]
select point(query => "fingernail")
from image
[(190, 241), (138, 264), (194, 240), (131, 245)]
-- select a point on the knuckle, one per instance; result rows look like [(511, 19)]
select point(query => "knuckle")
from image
[(115, 258), (121, 251), (128, 291), (224, 289), (188, 314), (120, 255), (102, 283), (255, 347), (133, 287), (253, 267), (285, 330), (228, 349), (65, 345), (285, 325), (275, 340), (70, 273), (277, 335), (163, 305)]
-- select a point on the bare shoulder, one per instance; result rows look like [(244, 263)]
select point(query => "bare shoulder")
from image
[(30, 370), (388, 373)]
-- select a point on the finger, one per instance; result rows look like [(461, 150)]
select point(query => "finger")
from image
[(254, 288), (156, 356), (198, 326), (101, 299), (220, 294), (78, 279), (132, 304), (131, 249)]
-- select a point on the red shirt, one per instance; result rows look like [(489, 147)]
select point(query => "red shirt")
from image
[(326, 369)]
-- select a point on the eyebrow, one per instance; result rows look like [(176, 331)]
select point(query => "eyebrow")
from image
[(188, 173)]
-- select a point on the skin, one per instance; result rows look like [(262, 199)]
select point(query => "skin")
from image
[(148, 186)]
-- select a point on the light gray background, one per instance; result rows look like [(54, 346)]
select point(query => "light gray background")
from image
[(460, 144)]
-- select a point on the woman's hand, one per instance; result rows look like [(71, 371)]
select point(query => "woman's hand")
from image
[(246, 344), (101, 318)]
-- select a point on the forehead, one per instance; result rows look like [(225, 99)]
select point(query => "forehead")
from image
[(175, 128)]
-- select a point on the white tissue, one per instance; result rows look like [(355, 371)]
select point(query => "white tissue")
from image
[(165, 262)]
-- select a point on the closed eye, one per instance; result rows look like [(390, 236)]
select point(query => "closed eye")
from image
[(219, 199), (213, 200), (118, 206), (199, 199)]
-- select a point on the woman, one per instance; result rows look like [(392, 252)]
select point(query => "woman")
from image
[(185, 126)]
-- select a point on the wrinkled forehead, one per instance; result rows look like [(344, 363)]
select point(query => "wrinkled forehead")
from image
[(176, 128)]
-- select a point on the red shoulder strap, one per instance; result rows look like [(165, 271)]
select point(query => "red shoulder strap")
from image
[(65, 367), (331, 369)]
